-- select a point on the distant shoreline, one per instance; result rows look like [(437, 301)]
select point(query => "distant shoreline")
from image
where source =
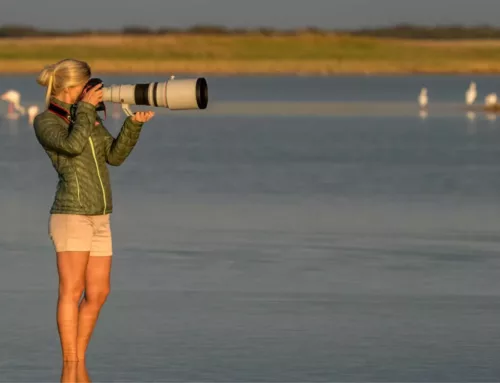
[(195, 68), (301, 55), (283, 68)]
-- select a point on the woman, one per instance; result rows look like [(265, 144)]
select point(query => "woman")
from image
[(79, 147)]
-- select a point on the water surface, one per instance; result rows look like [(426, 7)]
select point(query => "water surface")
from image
[(266, 246)]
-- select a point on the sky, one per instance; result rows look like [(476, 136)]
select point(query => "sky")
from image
[(329, 14)]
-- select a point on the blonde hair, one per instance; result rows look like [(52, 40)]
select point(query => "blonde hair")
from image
[(63, 74)]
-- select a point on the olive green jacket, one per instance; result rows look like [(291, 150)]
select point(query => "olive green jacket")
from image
[(79, 152)]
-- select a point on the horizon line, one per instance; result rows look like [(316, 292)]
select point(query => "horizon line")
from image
[(222, 27)]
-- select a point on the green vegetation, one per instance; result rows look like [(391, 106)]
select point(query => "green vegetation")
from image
[(300, 53)]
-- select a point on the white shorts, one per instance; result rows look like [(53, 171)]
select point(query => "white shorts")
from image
[(72, 232)]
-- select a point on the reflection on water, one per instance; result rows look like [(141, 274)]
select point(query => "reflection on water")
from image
[(10, 127), (310, 109), (492, 117), (73, 372), (279, 236), (307, 96)]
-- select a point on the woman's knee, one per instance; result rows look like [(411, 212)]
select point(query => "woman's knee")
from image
[(97, 297), (71, 292)]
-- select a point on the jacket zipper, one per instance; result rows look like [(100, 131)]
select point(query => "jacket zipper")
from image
[(98, 173), (78, 189)]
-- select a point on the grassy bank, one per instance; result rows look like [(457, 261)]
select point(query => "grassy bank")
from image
[(253, 54)]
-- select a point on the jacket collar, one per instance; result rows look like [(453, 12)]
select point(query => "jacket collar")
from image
[(60, 103), (60, 108)]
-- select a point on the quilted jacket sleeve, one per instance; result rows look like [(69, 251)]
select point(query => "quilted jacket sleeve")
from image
[(119, 148), (53, 135)]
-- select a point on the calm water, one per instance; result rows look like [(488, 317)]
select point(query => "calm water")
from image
[(265, 247)]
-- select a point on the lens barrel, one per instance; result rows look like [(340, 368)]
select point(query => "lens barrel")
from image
[(173, 94)]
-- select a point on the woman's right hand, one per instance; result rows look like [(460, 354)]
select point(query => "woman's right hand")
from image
[(93, 95)]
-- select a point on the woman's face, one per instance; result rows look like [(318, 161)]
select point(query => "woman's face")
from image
[(74, 92)]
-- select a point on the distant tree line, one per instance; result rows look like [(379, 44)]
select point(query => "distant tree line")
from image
[(29, 31), (450, 32), (399, 31)]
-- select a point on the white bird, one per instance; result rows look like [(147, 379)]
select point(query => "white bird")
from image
[(13, 97), (471, 94), (11, 112), (423, 99), (490, 99), (32, 113)]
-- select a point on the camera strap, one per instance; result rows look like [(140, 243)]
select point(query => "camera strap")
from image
[(65, 114), (60, 111)]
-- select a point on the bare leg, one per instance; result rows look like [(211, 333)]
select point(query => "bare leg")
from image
[(71, 266), (69, 372), (97, 286)]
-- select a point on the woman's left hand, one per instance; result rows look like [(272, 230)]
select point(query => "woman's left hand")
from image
[(143, 116)]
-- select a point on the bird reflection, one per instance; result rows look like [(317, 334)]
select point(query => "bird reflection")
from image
[(471, 116), (492, 117), (423, 114), (12, 126)]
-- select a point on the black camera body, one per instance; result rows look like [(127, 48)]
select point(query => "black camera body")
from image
[(90, 84)]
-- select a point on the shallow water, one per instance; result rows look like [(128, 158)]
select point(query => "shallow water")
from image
[(262, 246)]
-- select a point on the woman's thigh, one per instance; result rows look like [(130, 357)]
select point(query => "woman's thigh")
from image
[(98, 276), (72, 267)]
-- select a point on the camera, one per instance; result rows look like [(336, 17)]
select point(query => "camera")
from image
[(172, 94), (90, 84)]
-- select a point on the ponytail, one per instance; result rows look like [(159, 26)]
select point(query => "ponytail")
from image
[(61, 75)]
